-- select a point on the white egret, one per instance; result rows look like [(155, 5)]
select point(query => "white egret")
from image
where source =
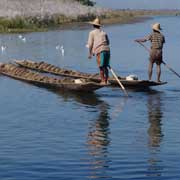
[(3, 48), (20, 36), (62, 50), (57, 47), (23, 39)]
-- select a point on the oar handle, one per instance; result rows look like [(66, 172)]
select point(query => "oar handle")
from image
[(147, 49)]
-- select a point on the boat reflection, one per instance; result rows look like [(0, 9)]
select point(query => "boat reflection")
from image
[(98, 140), (84, 98), (155, 134)]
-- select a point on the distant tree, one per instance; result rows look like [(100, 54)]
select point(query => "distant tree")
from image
[(86, 2)]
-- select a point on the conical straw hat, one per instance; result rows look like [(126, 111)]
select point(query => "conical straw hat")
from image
[(96, 22), (156, 27)]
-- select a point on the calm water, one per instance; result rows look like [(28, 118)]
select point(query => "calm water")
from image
[(139, 4), (47, 135)]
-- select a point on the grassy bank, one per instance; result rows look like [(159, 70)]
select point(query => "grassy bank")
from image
[(25, 15), (39, 15), (128, 16)]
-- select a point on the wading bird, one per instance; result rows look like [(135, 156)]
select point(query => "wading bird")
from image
[(3, 48), (61, 48)]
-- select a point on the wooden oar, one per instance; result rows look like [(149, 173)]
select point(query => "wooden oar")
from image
[(144, 46), (171, 69), (162, 61), (119, 82)]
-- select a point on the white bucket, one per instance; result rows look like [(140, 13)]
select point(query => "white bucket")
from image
[(131, 77), (78, 81)]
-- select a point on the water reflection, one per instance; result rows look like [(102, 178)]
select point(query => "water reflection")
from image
[(155, 134), (98, 142), (98, 138), (155, 115), (85, 98)]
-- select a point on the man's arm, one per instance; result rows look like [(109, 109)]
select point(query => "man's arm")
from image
[(164, 39), (90, 45), (147, 38), (90, 53), (107, 38), (140, 40)]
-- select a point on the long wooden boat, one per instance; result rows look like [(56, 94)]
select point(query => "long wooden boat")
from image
[(49, 68), (24, 74)]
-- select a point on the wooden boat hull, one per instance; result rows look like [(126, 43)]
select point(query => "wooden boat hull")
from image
[(49, 68), (138, 83), (36, 78)]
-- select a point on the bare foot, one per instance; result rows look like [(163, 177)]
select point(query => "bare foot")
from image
[(102, 83)]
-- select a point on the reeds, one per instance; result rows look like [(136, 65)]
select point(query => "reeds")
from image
[(45, 8), (40, 14), (33, 15)]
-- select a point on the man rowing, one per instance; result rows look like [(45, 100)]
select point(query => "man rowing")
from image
[(98, 44), (157, 40)]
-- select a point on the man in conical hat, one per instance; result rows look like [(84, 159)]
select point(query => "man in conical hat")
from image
[(157, 40), (98, 44)]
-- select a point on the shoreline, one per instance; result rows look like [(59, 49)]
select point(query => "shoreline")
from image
[(118, 18), (31, 24), (105, 22)]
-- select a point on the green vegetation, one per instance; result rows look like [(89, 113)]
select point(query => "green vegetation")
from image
[(86, 2), (27, 24), (18, 24), (30, 24)]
